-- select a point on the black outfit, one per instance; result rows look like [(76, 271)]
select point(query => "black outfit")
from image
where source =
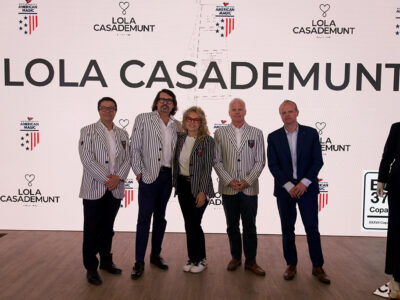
[(389, 172), (187, 188), (99, 217)]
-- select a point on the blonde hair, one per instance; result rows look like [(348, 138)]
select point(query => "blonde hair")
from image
[(203, 128)]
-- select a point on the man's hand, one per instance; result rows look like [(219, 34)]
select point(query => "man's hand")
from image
[(138, 177), (379, 189), (112, 182), (242, 185), (200, 199), (298, 190), (235, 185)]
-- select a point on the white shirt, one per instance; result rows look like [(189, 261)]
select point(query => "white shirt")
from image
[(292, 140), (166, 138), (184, 157), (238, 134), (111, 147)]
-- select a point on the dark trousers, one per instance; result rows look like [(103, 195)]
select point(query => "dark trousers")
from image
[(192, 215), (308, 206), (153, 199), (392, 265), (99, 216), (245, 207)]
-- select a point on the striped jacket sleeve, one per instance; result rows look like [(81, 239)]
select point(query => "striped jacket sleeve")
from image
[(208, 162), (259, 160), (218, 161), (136, 145), (86, 154)]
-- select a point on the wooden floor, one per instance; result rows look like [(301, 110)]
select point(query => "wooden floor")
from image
[(48, 265)]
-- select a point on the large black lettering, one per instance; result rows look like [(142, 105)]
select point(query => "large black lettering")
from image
[(29, 68), (62, 75), (122, 73), (303, 82), (192, 77), (267, 75), (213, 66), (328, 77), (93, 65), (7, 76), (160, 65), (376, 83), (254, 75), (396, 68)]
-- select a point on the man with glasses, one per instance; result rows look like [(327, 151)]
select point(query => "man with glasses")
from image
[(104, 152), (153, 143)]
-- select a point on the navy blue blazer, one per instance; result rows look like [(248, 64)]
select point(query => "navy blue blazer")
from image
[(309, 158)]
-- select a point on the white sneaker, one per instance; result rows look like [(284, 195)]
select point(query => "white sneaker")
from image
[(188, 266), (199, 267)]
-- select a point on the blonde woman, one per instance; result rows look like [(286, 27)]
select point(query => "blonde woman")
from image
[(192, 181)]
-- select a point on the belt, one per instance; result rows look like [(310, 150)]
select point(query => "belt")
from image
[(165, 169), (187, 178)]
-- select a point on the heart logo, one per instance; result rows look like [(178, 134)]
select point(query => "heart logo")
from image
[(29, 178), (124, 6), (223, 121), (226, 3), (30, 118), (324, 8), (123, 123), (28, 1), (320, 126)]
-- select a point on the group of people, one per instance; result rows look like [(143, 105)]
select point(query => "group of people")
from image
[(165, 154)]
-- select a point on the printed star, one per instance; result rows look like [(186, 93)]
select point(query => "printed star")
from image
[(397, 26), (397, 33), (222, 27), (27, 134), (217, 24), (222, 35), (222, 20), (26, 25), (217, 31), (26, 32), (20, 21), (26, 18), (20, 28), (27, 141), (27, 148), (22, 138), (22, 145)]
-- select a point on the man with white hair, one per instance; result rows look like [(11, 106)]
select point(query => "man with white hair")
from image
[(239, 161)]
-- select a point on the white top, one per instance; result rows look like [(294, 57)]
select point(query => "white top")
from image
[(111, 147), (238, 134), (184, 157), (166, 137)]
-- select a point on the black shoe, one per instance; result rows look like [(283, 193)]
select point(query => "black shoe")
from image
[(137, 270), (158, 261), (110, 267), (93, 277)]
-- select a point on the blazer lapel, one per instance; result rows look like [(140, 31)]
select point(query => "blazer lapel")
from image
[(117, 141), (232, 136), (245, 135), (156, 122), (102, 136), (195, 147), (285, 144), (300, 139)]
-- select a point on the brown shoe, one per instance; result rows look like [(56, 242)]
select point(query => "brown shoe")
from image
[(290, 272), (256, 269), (234, 264), (320, 273)]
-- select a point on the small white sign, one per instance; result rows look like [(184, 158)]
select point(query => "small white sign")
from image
[(375, 208)]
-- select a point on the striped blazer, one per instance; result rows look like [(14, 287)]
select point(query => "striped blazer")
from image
[(93, 151), (243, 163), (200, 165), (146, 145)]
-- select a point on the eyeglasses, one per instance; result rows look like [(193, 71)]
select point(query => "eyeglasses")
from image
[(196, 120), (166, 100), (107, 108)]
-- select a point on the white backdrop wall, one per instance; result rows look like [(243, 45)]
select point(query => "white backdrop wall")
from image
[(52, 76)]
